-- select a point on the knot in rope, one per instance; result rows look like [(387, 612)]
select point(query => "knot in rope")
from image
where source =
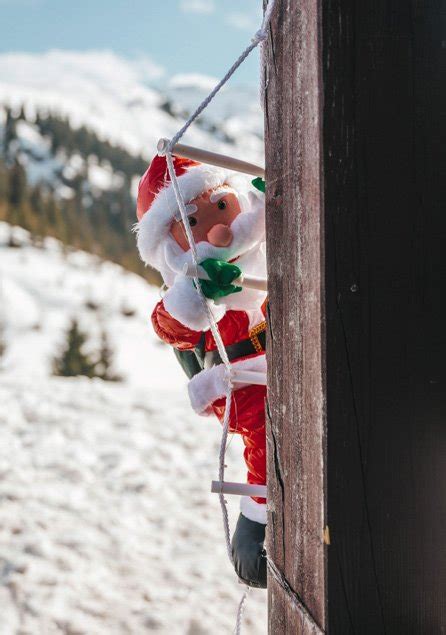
[(162, 147), (229, 376), (259, 36)]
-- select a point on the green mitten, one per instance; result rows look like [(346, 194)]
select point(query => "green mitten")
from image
[(221, 276), (259, 183)]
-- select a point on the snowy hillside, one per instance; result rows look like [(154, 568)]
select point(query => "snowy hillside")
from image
[(44, 166), (116, 98), (42, 289), (77, 130), (107, 525)]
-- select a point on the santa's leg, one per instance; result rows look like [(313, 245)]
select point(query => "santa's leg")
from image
[(248, 419), (249, 537), (248, 552)]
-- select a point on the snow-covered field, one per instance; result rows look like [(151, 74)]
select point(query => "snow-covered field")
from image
[(107, 525)]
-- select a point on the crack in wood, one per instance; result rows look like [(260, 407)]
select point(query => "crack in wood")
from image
[(278, 468), (278, 473), (270, 329), (295, 598), (273, 54)]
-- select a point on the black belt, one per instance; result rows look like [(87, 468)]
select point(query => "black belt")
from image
[(255, 344)]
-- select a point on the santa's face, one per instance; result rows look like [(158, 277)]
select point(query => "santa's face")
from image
[(210, 218), (227, 224)]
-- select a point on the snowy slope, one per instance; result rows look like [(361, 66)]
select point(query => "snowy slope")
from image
[(56, 169), (114, 97), (107, 525), (41, 290)]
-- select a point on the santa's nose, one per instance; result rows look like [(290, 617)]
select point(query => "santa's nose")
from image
[(220, 235)]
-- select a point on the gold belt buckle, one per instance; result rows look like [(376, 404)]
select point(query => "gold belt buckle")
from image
[(254, 336)]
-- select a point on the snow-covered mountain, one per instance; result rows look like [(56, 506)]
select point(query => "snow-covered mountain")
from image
[(77, 131), (107, 525), (56, 169), (116, 98)]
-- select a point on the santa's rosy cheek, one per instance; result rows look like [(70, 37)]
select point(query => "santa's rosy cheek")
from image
[(178, 234)]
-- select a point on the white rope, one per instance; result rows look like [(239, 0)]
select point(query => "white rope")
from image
[(220, 347), (241, 610), (259, 36)]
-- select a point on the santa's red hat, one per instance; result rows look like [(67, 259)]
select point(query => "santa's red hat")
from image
[(155, 178), (157, 205)]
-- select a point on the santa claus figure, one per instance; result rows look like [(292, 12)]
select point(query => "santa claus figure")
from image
[(226, 215)]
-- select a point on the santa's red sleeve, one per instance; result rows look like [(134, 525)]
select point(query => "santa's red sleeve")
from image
[(172, 331)]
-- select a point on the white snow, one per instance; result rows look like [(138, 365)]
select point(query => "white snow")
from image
[(102, 177), (193, 81), (107, 525), (29, 135)]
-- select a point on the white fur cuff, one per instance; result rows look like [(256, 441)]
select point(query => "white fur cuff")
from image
[(185, 305), (212, 383), (252, 510)]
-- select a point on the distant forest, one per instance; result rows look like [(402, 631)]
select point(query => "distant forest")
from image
[(98, 223)]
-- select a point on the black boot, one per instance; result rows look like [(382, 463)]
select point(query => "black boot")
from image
[(248, 552)]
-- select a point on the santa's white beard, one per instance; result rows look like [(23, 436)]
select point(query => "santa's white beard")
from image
[(247, 249)]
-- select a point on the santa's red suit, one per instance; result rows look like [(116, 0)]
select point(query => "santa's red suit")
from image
[(180, 320)]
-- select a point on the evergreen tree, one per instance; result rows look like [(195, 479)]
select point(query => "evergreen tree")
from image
[(73, 361), (22, 114), (38, 209), (2, 341), (104, 366), (4, 183), (17, 185), (9, 130)]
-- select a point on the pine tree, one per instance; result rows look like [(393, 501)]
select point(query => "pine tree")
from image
[(9, 133), (104, 366), (73, 361), (22, 113), (38, 210), (17, 185), (4, 182), (2, 342)]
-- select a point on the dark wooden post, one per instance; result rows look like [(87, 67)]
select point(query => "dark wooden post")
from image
[(356, 230), (296, 342)]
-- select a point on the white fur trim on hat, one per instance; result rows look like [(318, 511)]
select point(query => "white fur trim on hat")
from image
[(154, 226), (211, 384), (253, 510)]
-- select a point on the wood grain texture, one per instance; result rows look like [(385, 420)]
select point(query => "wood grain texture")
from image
[(384, 160), (295, 413), (356, 228)]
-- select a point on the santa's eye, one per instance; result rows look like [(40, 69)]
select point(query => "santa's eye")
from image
[(192, 221), (221, 204)]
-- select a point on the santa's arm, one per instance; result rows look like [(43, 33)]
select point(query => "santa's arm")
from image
[(172, 331), (183, 302)]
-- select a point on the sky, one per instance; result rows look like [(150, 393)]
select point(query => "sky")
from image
[(174, 36)]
